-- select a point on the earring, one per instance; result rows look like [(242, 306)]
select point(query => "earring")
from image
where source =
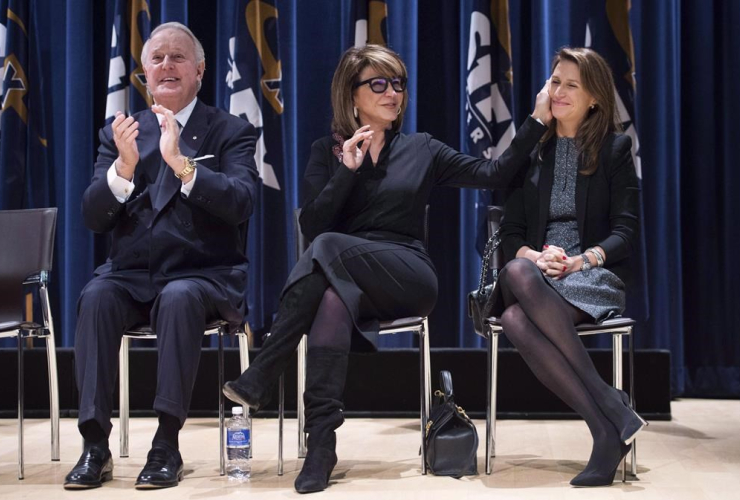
[(355, 111), (593, 106)]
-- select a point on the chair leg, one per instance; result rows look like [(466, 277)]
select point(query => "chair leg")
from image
[(424, 384), (617, 376), (490, 398), (489, 384), (243, 365), (123, 396), (222, 459), (631, 361), (281, 419), (51, 358), (21, 404), (617, 380), (428, 368), (494, 389), (301, 385)]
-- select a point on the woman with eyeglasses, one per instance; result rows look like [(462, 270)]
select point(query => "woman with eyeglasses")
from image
[(366, 189)]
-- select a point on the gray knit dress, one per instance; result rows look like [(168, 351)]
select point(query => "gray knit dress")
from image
[(598, 292)]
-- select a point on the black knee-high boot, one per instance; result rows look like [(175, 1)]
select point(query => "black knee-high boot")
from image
[(295, 314), (326, 374)]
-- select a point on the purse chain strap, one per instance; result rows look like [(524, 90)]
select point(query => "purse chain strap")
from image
[(491, 246)]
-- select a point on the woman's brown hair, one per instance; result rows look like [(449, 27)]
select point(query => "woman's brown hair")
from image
[(383, 60), (603, 118)]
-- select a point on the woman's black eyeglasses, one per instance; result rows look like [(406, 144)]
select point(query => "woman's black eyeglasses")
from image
[(379, 84)]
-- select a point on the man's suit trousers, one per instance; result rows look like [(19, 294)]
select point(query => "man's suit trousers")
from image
[(107, 309)]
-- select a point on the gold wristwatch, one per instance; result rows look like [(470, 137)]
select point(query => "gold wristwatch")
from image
[(189, 168)]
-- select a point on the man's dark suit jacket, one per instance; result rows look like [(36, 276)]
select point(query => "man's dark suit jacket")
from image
[(607, 206), (159, 235)]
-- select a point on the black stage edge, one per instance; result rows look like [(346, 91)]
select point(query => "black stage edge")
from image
[(380, 384)]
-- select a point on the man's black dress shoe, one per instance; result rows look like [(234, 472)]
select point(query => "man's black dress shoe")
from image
[(94, 467), (163, 469)]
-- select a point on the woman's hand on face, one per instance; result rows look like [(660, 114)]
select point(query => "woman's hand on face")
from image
[(352, 154), (542, 109)]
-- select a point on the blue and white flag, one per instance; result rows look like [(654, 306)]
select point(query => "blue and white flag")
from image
[(369, 20), (3, 34), (608, 33), (126, 81), (255, 81), (488, 125), (23, 141), (254, 92)]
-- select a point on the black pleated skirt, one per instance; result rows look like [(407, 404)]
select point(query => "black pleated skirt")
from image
[(376, 280)]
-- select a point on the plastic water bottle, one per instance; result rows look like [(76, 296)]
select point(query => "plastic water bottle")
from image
[(238, 443)]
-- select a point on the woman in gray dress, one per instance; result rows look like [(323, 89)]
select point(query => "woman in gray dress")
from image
[(567, 234), (366, 188)]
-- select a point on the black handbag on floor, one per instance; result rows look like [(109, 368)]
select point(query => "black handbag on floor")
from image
[(451, 439), (480, 301)]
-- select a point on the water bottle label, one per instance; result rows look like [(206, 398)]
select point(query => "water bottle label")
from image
[(238, 437)]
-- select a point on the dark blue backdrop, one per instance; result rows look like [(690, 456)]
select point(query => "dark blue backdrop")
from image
[(687, 116)]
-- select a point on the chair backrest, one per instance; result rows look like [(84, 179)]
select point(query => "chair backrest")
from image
[(495, 214), (26, 248), (301, 242)]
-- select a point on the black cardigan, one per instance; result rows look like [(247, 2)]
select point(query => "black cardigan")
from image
[(387, 201), (607, 206)]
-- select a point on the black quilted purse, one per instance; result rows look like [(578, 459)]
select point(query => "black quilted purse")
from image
[(480, 301), (451, 439)]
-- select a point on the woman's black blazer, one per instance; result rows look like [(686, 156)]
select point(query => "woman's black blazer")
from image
[(607, 205)]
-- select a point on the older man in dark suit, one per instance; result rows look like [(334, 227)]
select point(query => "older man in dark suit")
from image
[(174, 186)]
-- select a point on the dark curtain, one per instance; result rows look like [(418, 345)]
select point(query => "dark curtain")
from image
[(705, 114), (687, 63)]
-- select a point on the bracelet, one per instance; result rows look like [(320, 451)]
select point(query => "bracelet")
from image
[(598, 255)]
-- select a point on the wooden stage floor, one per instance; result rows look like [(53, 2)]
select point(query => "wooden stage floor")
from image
[(696, 456)]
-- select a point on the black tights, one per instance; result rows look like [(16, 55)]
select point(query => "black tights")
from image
[(332, 326), (540, 323)]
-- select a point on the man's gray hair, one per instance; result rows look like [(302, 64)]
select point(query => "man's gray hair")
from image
[(200, 55)]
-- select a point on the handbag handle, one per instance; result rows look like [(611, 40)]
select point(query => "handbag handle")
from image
[(445, 382), (491, 246)]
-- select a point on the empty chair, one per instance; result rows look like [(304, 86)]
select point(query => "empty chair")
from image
[(26, 251)]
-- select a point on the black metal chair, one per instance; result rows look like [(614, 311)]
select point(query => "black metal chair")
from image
[(26, 254), (418, 325), (617, 328), (218, 328)]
